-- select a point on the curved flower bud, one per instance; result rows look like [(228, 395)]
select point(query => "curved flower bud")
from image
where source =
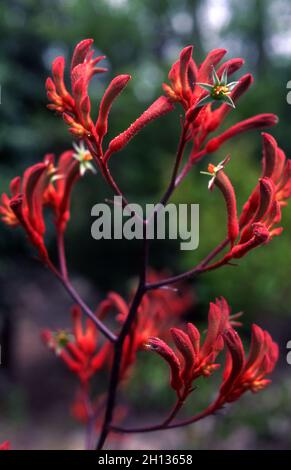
[(257, 122), (160, 347), (114, 89), (221, 180), (270, 149), (79, 350), (160, 107), (259, 236), (184, 345), (266, 192), (211, 60), (81, 52), (231, 65), (185, 58), (243, 374)]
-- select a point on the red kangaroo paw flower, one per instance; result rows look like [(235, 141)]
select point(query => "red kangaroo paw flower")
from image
[(236, 359), (266, 192), (25, 207), (114, 89), (194, 336), (242, 374), (160, 347), (270, 149), (81, 52), (217, 322), (211, 60), (221, 180), (197, 359), (86, 340), (160, 107), (257, 122), (7, 214), (231, 65), (44, 184), (185, 58), (17, 205), (260, 235), (184, 345), (76, 106), (58, 193), (58, 70), (264, 203), (182, 77), (218, 115), (249, 208), (79, 350)]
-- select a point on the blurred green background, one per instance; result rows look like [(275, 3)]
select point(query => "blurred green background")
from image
[(143, 39)]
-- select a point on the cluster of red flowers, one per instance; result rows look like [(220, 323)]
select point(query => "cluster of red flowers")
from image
[(186, 80), (78, 350), (83, 351), (42, 184), (75, 108), (158, 313), (194, 358), (261, 214)]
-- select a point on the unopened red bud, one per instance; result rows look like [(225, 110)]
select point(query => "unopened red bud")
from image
[(160, 347), (58, 68), (266, 190), (185, 58), (236, 351), (231, 66), (183, 343), (211, 60), (194, 335), (257, 122), (160, 107), (224, 184), (113, 90), (260, 236), (81, 51), (49, 85), (270, 149)]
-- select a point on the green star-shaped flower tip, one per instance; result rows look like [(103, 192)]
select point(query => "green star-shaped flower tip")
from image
[(219, 90)]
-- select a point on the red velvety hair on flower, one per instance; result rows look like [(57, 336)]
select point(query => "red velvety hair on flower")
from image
[(75, 106), (195, 357), (185, 79)]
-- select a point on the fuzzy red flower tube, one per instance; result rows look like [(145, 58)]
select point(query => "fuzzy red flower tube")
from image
[(195, 358), (261, 214)]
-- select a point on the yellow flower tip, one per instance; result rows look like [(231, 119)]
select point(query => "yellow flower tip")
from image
[(220, 90)]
